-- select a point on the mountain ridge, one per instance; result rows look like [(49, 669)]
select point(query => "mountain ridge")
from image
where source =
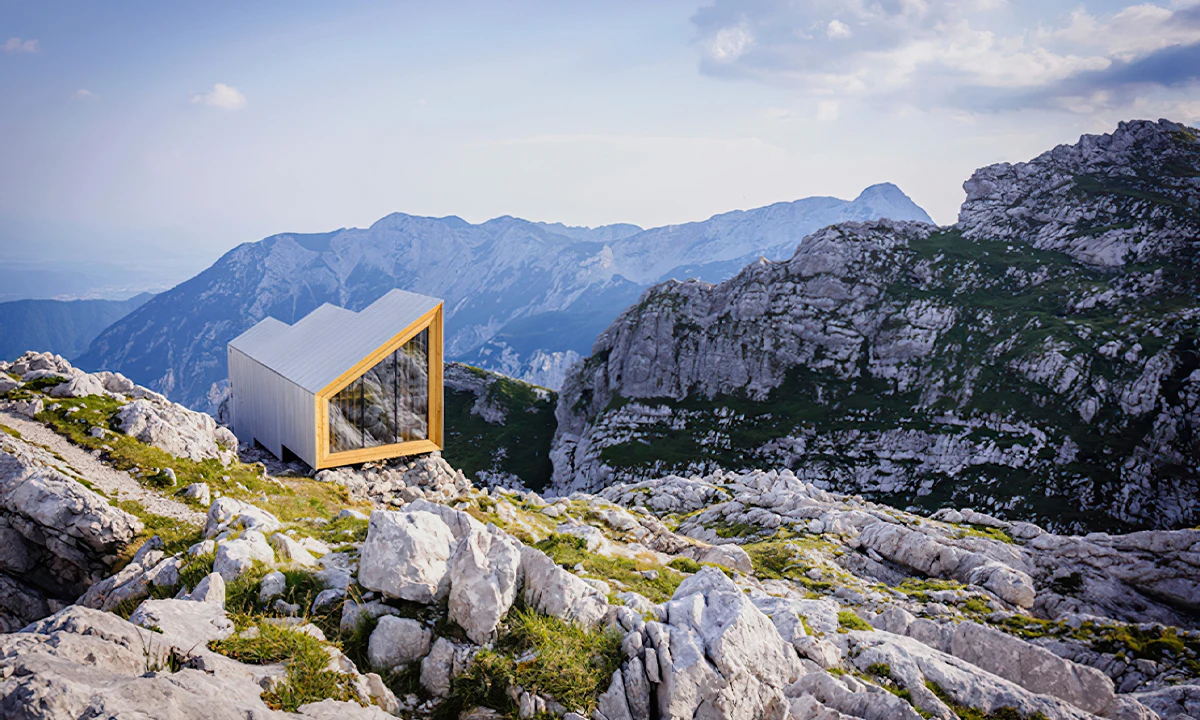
[(524, 298), (1049, 370), (65, 327)]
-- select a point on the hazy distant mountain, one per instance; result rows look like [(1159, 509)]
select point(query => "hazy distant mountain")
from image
[(523, 298), (64, 327)]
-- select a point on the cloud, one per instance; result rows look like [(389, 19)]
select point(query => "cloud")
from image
[(730, 43), (17, 45), (221, 96), (838, 29), (958, 54), (84, 94)]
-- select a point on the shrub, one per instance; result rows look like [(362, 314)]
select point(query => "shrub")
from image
[(683, 564)]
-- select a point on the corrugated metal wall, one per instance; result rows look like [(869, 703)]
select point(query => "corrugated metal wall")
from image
[(271, 409)]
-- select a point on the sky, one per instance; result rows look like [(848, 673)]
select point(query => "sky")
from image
[(141, 140)]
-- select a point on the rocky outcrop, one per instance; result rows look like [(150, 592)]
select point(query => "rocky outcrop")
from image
[(177, 430), (1107, 200), (400, 481), (144, 415), (405, 556), (485, 571), (87, 663), (1135, 577), (918, 365), (58, 536)]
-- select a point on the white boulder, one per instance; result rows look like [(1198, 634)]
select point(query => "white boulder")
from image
[(397, 641), (406, 555), (484, 574)]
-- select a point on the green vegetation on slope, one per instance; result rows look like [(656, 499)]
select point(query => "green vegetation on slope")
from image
[(519, 445)]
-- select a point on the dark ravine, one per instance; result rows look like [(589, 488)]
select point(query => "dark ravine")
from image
[(1039, 359)]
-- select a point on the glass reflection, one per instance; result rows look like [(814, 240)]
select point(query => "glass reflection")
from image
[(388, 404)]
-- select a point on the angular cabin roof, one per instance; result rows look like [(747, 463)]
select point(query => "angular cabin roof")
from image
[(330, 340)]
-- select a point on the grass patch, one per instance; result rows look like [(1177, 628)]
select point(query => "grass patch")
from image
[(307, 678), (10, 431), (985, 531), (775, 560), (919, 588), (73, 418), (686, 565), (568, 663), (849, 620), (568, 551), (176, 534)]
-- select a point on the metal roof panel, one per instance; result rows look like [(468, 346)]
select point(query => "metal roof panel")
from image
[(325, 343)]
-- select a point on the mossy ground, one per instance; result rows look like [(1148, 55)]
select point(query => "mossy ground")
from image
[(849, 620)]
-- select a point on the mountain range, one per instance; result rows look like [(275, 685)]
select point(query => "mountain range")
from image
[(1039, 359), (524, 298), (64, 327)]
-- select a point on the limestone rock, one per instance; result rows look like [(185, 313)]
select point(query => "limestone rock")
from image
[(551, 590), (289, 550), (228, 514), (177, 430), (484, 575), (406, 555), (235, 557), (398, 641)]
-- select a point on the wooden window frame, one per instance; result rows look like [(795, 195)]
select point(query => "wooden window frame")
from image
[(431, 321)]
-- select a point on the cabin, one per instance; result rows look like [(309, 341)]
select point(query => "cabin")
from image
[(341, 387)]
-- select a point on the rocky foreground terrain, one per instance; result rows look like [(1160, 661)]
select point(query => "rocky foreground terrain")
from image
[(152, 569), (1038, 360)]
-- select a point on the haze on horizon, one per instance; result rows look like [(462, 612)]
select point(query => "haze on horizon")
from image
[(141, 142)]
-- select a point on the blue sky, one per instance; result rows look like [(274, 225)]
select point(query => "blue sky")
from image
[(154, 136)]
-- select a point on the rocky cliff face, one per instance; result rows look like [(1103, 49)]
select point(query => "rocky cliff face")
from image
[(1038, 359), (521, 297)]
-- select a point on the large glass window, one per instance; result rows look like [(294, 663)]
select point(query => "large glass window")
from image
[(388, 404)]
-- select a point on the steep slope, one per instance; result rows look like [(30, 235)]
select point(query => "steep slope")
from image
[(1039, 359), (64, 327), (523, 298), (498, 430)]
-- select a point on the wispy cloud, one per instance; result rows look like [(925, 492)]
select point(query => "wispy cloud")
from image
[(17, 45), (980, 55), (221, 96), (84, 94)]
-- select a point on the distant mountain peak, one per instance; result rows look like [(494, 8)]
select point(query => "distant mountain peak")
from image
[(889, 201)]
